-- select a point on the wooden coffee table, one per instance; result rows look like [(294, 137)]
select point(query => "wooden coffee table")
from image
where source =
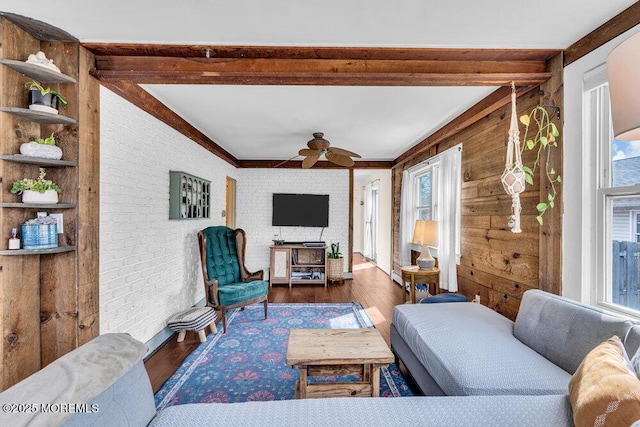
[(317, 352)]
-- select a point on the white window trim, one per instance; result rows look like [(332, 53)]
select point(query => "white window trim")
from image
[(635, 230), (597, 129)]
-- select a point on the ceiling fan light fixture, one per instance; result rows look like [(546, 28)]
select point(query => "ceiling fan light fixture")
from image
[(318, 142), (319, 146)]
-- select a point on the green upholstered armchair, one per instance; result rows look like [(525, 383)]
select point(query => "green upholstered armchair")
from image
[(227, 282)]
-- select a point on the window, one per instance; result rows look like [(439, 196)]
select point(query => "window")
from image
[(426, 192), (431, 190), (617, 198), (424, 179)]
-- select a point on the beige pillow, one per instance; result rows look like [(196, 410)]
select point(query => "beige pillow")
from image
[(605, 391)]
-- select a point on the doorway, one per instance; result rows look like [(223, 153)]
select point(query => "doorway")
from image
[(372, 209), (230, 215), (373, 216)]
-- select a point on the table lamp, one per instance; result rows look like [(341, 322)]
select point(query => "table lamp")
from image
[(623, 67), (426, 234)]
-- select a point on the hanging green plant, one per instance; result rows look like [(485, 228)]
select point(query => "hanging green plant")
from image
[(545, 139)]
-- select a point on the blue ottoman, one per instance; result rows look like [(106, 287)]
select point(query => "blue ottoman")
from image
[(446, 297)]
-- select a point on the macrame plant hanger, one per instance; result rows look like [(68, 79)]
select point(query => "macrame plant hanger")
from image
[(513, 176)]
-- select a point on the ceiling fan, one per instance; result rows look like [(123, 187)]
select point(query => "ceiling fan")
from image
[(319, 146)]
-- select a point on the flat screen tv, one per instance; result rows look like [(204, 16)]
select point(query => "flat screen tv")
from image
[(302, 210)]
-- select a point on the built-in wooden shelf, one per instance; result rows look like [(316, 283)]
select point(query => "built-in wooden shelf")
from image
[(38, 283), (36, 72), (57, 250), (39, 116), (39, 205), (19, 158)]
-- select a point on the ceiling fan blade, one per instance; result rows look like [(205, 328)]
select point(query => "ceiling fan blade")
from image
[(339, 159), (343, 152), (309, 152), (310, 161)]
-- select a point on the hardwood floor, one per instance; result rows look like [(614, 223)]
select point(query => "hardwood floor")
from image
[(370, 286)]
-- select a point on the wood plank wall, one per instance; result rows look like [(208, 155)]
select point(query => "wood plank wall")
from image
[(88, 201), (496, 264)]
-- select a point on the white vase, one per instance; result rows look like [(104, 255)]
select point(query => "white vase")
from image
[(48, 197), (43, 151)]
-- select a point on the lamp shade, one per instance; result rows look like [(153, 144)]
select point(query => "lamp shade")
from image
[(426, 232), (623, 68)]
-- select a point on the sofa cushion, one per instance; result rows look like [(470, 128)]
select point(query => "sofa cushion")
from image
[(242, 291), (562, 330), (442, 411), (128, 402), (605, 389), (470, 350), (107, 371)]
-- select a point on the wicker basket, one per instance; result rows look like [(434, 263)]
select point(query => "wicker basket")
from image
[(335, 267)]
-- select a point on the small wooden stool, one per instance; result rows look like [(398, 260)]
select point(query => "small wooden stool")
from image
[(194, 319)]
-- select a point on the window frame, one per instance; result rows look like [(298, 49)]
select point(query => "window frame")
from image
[(635, 229), (598, 134), (579, 262)]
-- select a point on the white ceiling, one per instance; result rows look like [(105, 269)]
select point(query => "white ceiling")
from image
[(273, 122)]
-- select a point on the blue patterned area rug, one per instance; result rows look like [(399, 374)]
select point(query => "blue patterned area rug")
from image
[(248, 362)]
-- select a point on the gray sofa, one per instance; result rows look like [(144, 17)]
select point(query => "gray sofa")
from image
[(466, 349), (104, 382)]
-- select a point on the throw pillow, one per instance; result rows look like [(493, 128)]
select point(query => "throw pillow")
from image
[(635, 363), (605, 390)]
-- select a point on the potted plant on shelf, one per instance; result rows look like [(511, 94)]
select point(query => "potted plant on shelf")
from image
[(38, 191), (335, 265), (45, 100), (43, 148)]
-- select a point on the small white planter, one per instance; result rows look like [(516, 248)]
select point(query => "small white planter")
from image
[(48, 197), (42, 151)]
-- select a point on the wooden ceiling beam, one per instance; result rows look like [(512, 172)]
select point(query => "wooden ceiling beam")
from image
[(277, 65), (170, 70), (319, 79), (302, 52), (145, 101), (625, 20)]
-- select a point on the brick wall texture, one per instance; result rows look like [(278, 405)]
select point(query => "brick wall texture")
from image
[(149, 265)]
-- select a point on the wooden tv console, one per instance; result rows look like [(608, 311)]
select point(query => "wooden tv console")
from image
[(298, 264)]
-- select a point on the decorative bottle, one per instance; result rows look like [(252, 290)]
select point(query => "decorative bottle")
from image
[(14, 242)]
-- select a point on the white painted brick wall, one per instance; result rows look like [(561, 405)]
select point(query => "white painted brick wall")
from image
[(149, 265), (255, 190)]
